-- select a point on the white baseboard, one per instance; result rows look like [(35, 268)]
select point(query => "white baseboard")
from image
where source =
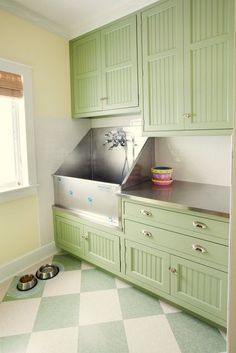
[(12, 268)]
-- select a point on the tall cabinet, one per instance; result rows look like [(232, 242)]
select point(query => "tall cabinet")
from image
[(187, 65)]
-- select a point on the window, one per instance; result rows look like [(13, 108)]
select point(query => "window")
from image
[(17, 162)]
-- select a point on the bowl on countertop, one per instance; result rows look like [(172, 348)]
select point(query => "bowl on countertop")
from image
[(162, 182), (162, 173)]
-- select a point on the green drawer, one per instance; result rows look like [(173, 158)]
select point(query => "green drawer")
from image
[(198, 248), (196, 225)]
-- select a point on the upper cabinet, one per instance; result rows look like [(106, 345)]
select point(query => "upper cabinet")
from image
[(177, 55), (188, 65), (104, 73), (86, 75)]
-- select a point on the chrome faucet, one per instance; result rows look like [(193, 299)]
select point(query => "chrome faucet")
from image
[(116, 138)]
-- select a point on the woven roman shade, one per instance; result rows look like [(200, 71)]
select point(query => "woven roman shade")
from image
[(10, 84)]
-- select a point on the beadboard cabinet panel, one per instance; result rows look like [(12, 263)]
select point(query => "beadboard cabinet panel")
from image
[(208, 53), (102, 248), (104, 70), (147, 265), (119, 64), (94, 245), (201, 286), (187, 65), (162, 28), (86, 74), (68, 235)]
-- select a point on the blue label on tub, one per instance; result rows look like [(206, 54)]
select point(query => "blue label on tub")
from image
[(90, 199), (71, 193)]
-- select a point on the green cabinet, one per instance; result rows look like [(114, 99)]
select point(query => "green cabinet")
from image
[(68, 235), (92, 244), (102, 248), (187, 65), (167, 256), (147, 265), (86, 74), (162, 28), (158, 252), (202, 287), (104, 74)]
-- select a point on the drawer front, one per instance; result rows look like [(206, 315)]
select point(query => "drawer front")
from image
[(200, 286), (198, 226), (200, 249)]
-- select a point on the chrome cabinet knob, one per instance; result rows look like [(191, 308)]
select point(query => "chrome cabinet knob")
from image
[(187, 115), (199, 248), (147, 234), (199, 225), (146, 213), (173, 270)]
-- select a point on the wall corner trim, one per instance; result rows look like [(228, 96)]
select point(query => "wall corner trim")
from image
[(18, 265)]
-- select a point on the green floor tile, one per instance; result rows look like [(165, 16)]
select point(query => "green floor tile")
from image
[(69, 262), (92, 280), (195, 336), (135, 303), (14, 294), (57, 312), (103, 338), (14, 344)]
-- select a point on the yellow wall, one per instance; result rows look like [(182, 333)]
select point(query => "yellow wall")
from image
[(18, 228), (48, 54)]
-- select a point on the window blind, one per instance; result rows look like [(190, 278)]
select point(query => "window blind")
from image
[(11, 84)]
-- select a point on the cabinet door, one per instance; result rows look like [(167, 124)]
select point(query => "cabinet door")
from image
[(102, 248), (208, 55), (147, 265), (162, 40), (68, 235), (119, 64), (86, 74), (200, 286)]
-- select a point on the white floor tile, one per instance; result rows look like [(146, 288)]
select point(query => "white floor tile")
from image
[(101, 306), (67, 282), (87, 266), (121, 284), (17, 317), (3, 288), (168, 309), (150, 335), (54, 341)]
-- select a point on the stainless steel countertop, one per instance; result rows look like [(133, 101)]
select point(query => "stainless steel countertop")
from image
[(204, 198)]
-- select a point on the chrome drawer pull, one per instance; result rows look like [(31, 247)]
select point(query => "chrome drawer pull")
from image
[(199, 225), (146, 213), (198, 248), (146, 233)]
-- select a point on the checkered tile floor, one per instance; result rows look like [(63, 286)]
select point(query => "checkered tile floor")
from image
[(85, 310)]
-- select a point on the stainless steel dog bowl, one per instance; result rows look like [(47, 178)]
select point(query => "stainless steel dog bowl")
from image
[(27, 282), (47, 271)]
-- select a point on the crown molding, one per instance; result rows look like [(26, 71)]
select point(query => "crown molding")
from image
[(31, 16)]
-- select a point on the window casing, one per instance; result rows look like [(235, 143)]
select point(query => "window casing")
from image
[(17, 154)]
